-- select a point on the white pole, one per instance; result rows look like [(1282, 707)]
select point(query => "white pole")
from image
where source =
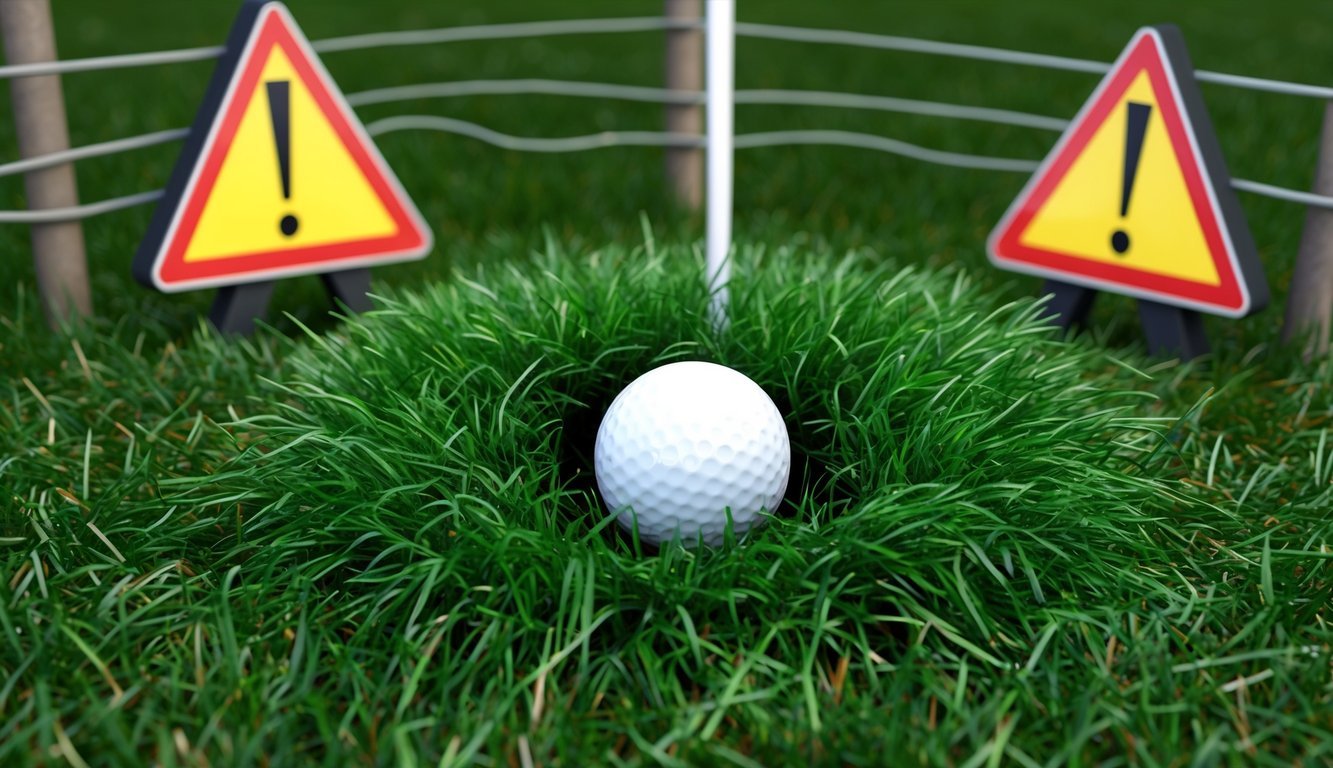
[(720, 62)]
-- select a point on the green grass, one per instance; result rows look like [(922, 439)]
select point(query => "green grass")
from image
[(378, 542), (395, 553)]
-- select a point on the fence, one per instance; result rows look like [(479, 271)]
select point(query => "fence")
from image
[(1314, 251)]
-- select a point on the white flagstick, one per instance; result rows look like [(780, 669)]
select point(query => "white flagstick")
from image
[(720, 61)]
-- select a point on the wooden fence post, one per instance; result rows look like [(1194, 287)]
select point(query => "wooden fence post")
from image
[(684, 72), (1310, 302), (39, 122)]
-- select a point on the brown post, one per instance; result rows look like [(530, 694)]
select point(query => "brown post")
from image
[(39, 121), (1310, 301), (684, 72)]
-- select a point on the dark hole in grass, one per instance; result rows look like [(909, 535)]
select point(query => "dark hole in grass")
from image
[(577, 442), (576, 462), (819, 482)]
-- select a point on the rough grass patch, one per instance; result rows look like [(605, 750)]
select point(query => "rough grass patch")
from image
[(969, 499)]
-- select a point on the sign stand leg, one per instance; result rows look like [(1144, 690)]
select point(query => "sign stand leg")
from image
[(1069, 305), (1172, 331), (349, 288), (237, 307)]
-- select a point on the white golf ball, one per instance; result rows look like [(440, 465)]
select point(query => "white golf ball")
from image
[(685, 443)]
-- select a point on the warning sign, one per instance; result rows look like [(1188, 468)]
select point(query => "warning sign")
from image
[(278, 176), (1135, 197)]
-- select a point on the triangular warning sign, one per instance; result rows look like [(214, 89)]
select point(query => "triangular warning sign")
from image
[(1135, 197), (278, 177)]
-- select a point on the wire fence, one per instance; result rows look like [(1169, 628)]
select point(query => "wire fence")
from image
[(803, 98)]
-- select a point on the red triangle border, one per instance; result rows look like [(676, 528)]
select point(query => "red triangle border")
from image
[(274, 28), (1145, 52)]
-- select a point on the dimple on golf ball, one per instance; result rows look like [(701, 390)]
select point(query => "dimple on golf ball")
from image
[(684, 444)]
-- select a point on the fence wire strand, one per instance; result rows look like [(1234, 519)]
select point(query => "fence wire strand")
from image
[(883, 144), (1005, 56), (609, 139), (525, 144), (1282, 193), (651, 23), (103, 63), (359, 42), (77, 212), (524, 86), (915, 45), (501, 31), (742, 141), (906, 106), (102, 149), (774, 97)]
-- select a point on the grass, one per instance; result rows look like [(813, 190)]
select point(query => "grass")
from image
[(392, 550), (377, 541)]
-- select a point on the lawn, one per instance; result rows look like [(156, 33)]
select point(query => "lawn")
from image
[(378, 541)]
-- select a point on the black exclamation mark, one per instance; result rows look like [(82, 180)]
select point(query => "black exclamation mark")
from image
[(279, 111), (1136, 122)]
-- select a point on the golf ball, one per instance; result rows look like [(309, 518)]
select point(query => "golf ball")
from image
[(685, 443)]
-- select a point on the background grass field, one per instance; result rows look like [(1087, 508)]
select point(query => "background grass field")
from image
[(381, 544)]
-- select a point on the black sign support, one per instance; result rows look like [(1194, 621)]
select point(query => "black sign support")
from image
[(237, 308), (1169, 331)]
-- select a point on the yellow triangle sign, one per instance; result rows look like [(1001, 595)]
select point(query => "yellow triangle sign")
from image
[(1135, 197), (279, 177)]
